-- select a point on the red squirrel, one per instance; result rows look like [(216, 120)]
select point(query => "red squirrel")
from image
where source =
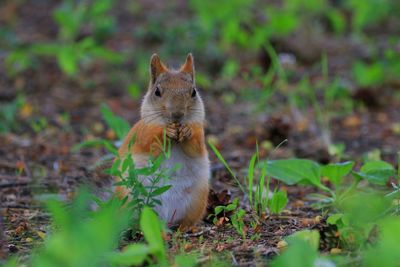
[(172, 107)]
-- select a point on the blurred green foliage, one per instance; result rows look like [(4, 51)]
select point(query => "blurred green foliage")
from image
[(9, 114), (72, 49), (82, 237)]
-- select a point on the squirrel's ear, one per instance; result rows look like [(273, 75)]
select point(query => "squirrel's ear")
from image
[(188, 66), (156, 67)]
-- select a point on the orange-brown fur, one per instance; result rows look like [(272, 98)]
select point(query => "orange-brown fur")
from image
[(144, 139), (195, 146)]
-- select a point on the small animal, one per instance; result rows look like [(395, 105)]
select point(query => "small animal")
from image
[(173, 107)]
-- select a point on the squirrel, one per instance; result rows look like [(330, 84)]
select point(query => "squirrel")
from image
[(172, 107)]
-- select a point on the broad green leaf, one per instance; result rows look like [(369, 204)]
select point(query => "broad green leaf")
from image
[(134, 254), (293, 171), (376, 172), (386, 251), (233, 205), (310, 236), (338, 219), (218, 209), (278, 202), (334, 218), (336, 171), (298, 254), (363, 208)]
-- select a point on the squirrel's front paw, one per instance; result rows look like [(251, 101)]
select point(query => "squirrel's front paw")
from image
[(184, 133), (172, 131)]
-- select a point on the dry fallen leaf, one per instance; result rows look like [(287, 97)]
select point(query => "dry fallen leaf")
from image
[(22, 227), (20, 166), (41, 234), (187, 247), (336, 251), (352, 121), (318, 219), (110, 134), (282, 245), (396, 128), (305, 222), (26, 110), (220, 247)]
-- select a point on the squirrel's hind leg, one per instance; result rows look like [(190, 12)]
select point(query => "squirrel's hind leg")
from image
[(197, 207)]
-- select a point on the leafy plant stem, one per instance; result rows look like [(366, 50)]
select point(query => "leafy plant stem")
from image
[(221, 158)]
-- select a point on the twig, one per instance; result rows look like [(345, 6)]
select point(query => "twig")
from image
[(12, 177), (17, 206), (207, 229), (234, 261), (7, 164), (6, 185), (27, 169)]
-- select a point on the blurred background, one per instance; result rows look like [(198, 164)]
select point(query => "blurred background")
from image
[(322, 75), (315, 79)]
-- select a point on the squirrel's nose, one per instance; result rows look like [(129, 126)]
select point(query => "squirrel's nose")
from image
[(177, 115)]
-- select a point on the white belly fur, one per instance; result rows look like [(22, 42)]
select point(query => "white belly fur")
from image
[(177, 199)]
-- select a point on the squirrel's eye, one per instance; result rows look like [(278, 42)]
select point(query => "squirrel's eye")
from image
[(194, 92), (157, 92)]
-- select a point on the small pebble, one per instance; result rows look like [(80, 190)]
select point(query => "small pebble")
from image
[(12, 248)]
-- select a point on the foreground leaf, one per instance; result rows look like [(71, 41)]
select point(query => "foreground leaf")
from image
[(293, 171), (335, 172), (376, 172)]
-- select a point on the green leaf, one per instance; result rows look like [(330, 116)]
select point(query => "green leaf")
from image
[(376, 172), (334, 218), (278, 202), (134, 91), (119, 125), (336, 171), (250, 176), (310, 236), (185, 260), (368, 75), (151, 227), (233, 205), (293, 171), (160, 190), (221, 158), (134, 254), (106, 54), (299, 254), (68, 60), (96, 143), (338, 219), (364, 207), (218, 209)]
